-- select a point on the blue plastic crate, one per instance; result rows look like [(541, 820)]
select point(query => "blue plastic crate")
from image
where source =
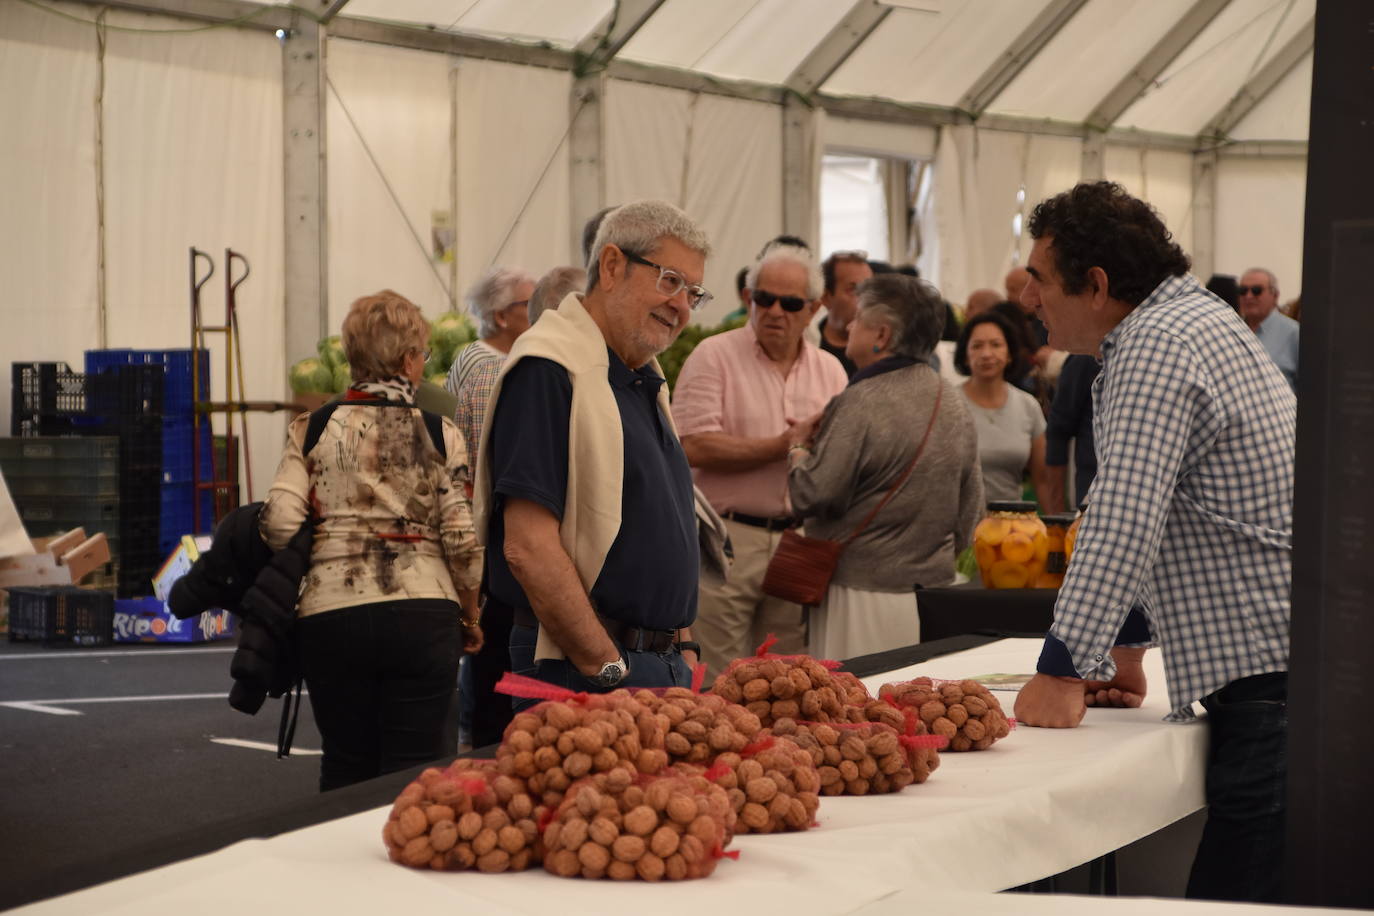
[(178, 395), (176, 517), (178, 452)]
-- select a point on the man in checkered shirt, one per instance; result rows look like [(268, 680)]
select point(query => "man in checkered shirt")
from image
[(1189, 518)]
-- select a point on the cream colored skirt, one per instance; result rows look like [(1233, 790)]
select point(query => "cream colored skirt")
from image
[(854, 621)]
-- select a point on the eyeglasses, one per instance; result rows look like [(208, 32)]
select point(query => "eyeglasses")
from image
[(1252, 290), (516, 303), (670, 282), (764, 299)]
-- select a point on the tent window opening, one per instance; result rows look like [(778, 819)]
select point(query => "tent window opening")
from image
[(853, 206), (1018, 224)]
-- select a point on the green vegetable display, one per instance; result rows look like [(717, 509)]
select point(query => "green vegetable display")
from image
[(312, 376)]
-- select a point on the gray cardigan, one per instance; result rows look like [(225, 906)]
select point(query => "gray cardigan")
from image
[(867, 436)]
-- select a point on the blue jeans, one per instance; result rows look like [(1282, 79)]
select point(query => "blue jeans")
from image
[(647, 669), (1240, 856)]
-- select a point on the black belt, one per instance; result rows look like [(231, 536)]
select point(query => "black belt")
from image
[(628, 636), (770, 524)]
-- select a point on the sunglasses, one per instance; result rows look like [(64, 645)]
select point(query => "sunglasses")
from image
[(1252, 290), (764, 299)]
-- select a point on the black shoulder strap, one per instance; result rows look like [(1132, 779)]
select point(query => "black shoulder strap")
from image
[(320, 417)]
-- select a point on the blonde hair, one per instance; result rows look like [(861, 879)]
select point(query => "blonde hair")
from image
[(379, 331)]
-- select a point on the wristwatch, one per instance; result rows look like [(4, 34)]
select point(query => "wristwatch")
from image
[(611, 673), (690, 647)]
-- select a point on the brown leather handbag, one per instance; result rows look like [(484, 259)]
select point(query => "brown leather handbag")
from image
[(801, 568)]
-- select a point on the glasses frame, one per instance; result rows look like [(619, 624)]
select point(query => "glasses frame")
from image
[(697, 295), (777, 300), (1253, 290)]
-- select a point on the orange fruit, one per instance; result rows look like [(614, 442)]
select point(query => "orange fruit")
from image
[(1005, 574), (991, 531), (1018, 547)]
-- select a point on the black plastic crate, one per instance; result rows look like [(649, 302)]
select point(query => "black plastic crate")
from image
[(47, 388), (64, 614), (122, 393)]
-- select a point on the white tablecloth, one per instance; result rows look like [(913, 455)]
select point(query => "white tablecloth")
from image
[(1035, 804)]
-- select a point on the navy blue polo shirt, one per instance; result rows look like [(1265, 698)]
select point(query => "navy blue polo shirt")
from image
[(650, 575)]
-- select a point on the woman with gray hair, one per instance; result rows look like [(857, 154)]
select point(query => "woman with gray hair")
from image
[(895, 411)]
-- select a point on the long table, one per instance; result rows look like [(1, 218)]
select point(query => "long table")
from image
[(1035, 804)]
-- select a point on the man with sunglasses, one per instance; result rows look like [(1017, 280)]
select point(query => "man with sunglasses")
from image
[(1259, 299), (741, 399), (583, 494)]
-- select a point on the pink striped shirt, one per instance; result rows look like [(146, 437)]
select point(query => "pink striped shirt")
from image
[(729, 385)]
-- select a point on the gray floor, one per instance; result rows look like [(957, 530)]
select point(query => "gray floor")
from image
[(128, 767)]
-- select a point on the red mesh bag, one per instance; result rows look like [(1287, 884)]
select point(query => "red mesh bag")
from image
[(573, 735), (863, 758), (467, 816), (699, 726), (666, 828), (773, 785), (776, 687), (965, 711)]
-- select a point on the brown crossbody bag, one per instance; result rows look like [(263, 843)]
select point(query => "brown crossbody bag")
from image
[(801, 568)]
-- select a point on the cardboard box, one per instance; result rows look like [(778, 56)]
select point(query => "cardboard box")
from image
[(149, 620)]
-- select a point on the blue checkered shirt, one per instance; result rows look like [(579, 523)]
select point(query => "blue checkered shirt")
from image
[(1191, 514)]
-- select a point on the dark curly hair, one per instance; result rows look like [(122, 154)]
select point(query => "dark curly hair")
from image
[(1014, 345), (1097, 224)]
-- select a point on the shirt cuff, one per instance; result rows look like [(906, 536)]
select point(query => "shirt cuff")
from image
[(1055, 659)]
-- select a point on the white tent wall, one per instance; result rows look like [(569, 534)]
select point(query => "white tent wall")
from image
[(1260, 206), (193, 134), (1163, 178), (48, 242), (1284, 113), (719, 159), (513, 169), (378, 147)]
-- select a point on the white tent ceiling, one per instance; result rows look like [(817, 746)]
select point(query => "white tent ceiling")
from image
[(516, 119)]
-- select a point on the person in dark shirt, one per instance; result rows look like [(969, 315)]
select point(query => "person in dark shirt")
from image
[(1071, 417), (584, 492)]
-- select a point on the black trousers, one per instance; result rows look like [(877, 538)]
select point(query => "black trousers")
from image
[(1240, 856), (491, 711), (382, 681)]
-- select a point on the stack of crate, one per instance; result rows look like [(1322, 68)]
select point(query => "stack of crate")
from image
[(175, 488)]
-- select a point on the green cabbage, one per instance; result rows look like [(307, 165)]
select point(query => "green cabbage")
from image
[(331, 351), (342, 379), (448, 333), (311, 376)]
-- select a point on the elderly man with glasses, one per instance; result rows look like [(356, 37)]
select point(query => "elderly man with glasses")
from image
[(1258, 303), (584, 496), (741, 398)]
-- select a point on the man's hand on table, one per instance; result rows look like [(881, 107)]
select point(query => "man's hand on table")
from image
[(1051, 702), (1127, 688)]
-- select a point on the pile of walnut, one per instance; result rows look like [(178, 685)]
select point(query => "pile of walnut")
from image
[(782, 687), (859, 759), (464, 817), (613, 826), (699, 726), (556, 743), (965, 712), (773, 785)]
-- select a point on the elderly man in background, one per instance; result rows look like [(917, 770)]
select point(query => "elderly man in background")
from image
[(1259, 298), (499, 301), (584, 495), (741, 398), (553, 288), (979, 301), (843, 271)]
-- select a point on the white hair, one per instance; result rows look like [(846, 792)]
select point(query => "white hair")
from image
[(553, 288), (638, 228), (492, 293), (790, 254), (1273, 280)]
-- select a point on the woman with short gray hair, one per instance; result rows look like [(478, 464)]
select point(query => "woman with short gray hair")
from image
[(896, 410)]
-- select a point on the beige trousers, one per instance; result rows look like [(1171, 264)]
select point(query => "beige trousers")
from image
[(733, 618)]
